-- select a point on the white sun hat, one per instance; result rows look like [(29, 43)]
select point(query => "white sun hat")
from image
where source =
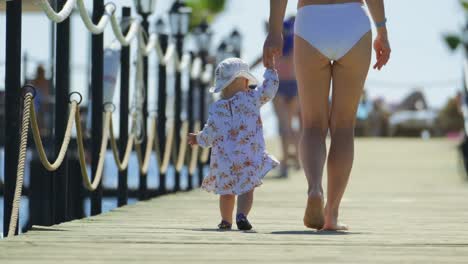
[(230, 69)]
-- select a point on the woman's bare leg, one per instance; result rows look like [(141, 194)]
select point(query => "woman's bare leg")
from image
[(244, 202), (349, 74), (226, 206), (313, 72)]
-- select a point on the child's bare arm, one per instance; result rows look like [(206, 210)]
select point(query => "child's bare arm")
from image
[(205, 137), (269, 87)]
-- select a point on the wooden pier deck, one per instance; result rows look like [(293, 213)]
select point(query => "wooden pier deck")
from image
[(406, 203)]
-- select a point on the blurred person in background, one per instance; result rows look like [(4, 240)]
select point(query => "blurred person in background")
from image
[(286, 102), (450, 118), (42, 100)]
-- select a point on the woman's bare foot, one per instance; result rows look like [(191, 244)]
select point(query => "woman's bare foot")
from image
[(331, 222), (313, 217)]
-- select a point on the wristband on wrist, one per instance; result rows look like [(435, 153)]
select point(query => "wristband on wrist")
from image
[(381, 23)]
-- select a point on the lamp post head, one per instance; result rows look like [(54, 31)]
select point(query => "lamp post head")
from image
[(203, 36), (145, 7), (179, 17), (236, 41), (160, 27)]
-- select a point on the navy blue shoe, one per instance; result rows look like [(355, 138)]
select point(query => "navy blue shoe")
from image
[(224, 225), (242, 222)]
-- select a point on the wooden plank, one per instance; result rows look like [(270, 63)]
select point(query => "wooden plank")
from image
[(406, 202)]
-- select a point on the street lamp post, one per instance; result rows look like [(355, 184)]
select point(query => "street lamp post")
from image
[(162, 99), (193, 82), (122, 196), (179, 16), (97, 73), (203, 37), (236, 42), (144, 9), (222, 52)]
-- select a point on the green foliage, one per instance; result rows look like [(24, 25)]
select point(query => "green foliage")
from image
[(464, 3), (453, 41), (202, 9)]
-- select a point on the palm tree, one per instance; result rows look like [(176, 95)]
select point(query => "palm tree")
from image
[(204, 9), (454, 40)]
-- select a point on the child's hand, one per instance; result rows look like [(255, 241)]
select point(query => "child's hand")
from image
[(192, 139), (272, 48)]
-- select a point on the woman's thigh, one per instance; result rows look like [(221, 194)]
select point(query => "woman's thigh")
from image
[(313, 73), (349, 74)]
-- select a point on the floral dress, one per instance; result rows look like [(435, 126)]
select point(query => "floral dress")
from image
[(234, 131)]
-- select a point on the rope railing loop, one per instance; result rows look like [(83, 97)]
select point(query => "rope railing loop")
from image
[(196, 68), (143, 159), (60, 16), (66, 138), (121, 164), (21, 162), (195, 150), (150, 45), (207, 75), (170, 51), (125, 40), (205, 155), (184, 61), (180, 155), (164, 165), (98, 28), (91, 186)]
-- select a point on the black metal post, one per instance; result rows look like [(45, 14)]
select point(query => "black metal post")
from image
[(178, 105), (143, 183), (12, 105), (162, 103), (202, 110), (124, 88), (97, 71), (190, 114), (62, 82)]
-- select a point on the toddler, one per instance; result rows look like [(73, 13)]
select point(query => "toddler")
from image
[(234, 132)]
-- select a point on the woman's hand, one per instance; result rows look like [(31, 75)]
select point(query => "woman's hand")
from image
[(192, 139), (382, 51), (272, 48)]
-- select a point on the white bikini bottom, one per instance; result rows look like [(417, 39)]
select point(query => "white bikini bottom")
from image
[(333, 29)]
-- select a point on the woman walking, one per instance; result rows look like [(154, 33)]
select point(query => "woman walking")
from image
[(332, 47)]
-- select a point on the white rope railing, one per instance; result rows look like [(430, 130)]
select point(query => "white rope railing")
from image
[(196, 68), (182, 61), (98, 28), (207, 75), (132, 31), (60, 16)]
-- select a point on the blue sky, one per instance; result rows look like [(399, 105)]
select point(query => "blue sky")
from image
[(419, 58)]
